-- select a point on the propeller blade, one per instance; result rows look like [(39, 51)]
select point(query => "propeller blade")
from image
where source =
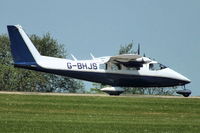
[(138, 49)]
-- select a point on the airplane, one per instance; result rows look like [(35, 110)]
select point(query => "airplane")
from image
[(127, 70)]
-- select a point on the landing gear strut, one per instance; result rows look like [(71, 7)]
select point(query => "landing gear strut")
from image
[(185, 92)]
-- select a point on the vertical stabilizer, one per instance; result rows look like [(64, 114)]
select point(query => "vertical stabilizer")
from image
[(23, 50)]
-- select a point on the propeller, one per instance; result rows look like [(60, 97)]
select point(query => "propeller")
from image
[(138, 51)]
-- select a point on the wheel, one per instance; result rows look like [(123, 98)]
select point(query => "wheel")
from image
[(114, 94), (185, 92), (186, 95)]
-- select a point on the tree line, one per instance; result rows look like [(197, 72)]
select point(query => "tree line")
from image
[(17, 79)]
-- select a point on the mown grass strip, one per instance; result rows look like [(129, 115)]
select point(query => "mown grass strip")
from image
[(86, 114)]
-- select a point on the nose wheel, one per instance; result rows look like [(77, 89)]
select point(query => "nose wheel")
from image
[(185, 92)]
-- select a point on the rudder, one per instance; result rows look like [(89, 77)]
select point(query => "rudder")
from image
[(22, 49)]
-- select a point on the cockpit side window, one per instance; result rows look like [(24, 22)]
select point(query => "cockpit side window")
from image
[(156, 66), (162, 66), (103, 66), (115, 67)]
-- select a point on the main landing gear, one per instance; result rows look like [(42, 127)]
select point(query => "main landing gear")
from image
[(185, 92), (113, 91)]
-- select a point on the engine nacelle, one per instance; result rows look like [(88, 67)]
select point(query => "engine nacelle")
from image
[(113, 90)]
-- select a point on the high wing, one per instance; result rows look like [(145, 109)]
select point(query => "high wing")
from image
[(129, 60)]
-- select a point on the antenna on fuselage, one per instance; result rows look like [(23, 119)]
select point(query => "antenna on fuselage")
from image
[(73, 57), (92, 56)]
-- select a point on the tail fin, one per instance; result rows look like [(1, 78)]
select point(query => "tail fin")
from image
[(22, 49)]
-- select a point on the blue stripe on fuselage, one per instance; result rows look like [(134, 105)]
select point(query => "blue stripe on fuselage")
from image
[(113, 79)]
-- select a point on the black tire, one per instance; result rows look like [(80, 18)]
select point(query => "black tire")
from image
[(186, 95), (116, 94)]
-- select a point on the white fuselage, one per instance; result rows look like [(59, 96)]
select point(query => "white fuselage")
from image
[(104, 69)]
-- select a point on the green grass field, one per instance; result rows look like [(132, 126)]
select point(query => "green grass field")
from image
[(95, 114)]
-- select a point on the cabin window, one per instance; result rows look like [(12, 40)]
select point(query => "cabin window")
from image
[(119, 66), (103, 66), (156, 66), (131, 68), (115, 67)]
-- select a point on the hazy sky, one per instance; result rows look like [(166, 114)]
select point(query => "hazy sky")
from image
[(168, 30)]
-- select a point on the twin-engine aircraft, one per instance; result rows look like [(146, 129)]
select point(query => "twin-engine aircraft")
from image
[(128, 70)]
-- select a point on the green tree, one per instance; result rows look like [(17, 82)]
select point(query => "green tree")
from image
[(16, 79), (126, 49), (96, 87)]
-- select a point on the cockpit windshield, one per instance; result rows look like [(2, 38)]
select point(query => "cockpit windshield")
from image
[(156, 66)]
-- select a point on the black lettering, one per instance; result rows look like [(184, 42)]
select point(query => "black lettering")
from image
[(94, 66), (79, 65), (69, 65), (84, 65), (90, 67)]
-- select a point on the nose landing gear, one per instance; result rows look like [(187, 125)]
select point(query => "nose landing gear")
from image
[(185, 92)]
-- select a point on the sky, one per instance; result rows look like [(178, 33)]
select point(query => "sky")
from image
[(167, 30)]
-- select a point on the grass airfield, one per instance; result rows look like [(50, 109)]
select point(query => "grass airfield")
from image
[(40, 113)]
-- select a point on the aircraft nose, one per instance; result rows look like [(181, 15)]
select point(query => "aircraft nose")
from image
[(184, 80)]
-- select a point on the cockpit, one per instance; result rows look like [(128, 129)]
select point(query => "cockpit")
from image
[(156, 66)]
